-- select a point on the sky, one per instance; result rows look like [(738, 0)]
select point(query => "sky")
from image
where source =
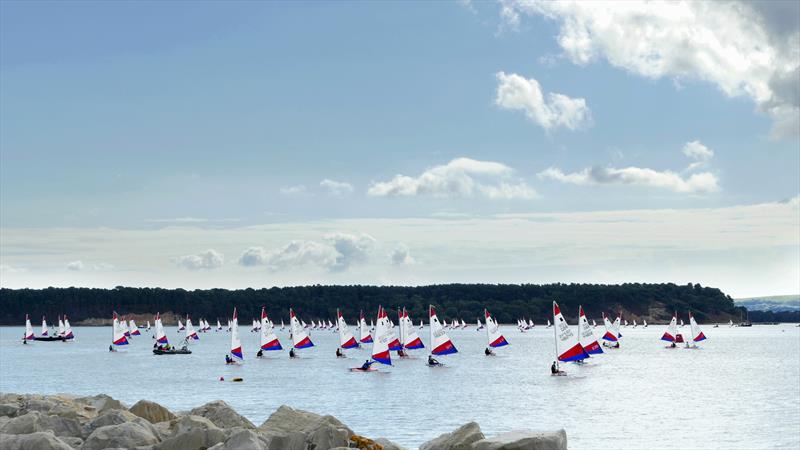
[(252, 144)]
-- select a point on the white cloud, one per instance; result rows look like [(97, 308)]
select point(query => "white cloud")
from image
[(336, 252), (697, 151), (557, 111), (189, 220), (75, 265), (461, 177), (209, 259), (337, 188), (749, 49), (401, 255), (697, 183), (293, 190)]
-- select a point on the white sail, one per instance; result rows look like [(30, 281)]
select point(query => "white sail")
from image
[(567, 346), (383, 335), (28, 329), (346, 338), (44, 326), (586, 336), (181, 327), (268, 339), (60, 327), (493, 336), (616, 325), (236, 344), (697, 334), (161, 335), (364, 335), (190, 333), (672, 329), (118, 334), (440, 342), (67, 329), (300, 338), (411, 339), (219, 326)]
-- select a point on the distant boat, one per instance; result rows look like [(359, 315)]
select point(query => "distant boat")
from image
[(420, 324), (730, 323), (117, 333), (61, 328), (236, 344), (594, 324), (697, 333), (609, 335), (394, 343), (566, 344), (123, 324), (67, 330), (44, 326), (181, 327), (346, 338), (364, 336), (300, 338), (219, 327), (28, 329), (134, 329), (548, 324), (681, 323), (161, 335), (586, 336), (644, 324), (440, 342), (190, 333), (530, 323), (494, 338), (672, 329), (282, 327), (480, 325), (634, 323), (408, 335), (617, 323), (148, 325), (463, 324), (383, 337), (269, 342)]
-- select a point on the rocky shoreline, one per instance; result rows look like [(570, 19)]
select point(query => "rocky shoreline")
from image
[(63, 422)]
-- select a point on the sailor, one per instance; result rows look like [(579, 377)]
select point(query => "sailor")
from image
[(554, 368), (291, 353), (260, 353), (432, 361), (366, 365), (228, 359), (339, 353), (488, 352)]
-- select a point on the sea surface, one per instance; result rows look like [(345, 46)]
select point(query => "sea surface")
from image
[(740, 389)]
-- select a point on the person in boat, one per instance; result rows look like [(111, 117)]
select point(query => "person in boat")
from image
[(673, 345), (110, 348), (366, 365), (260, 353), (339, 353), (228, 359), (401, 353), (24, 341), (488, 352), (432, 361), (155, 345), (291, 353), (554, 368)]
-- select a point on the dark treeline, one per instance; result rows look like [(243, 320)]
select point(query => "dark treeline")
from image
[(508, 302), (774, 316)]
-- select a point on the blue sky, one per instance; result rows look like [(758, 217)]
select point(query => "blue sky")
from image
[(134, 121)]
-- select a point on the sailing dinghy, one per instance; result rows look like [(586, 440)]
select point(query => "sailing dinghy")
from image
[(697, 333), (67, 330), (300, 338), (440, 342), (672, 330), (236, 355), (190, 333), (380, 344), (364, 336), (28, 330), (181, 327), (44, 326), (567, 346), (134, 329), (408, 334), (586, 335), (117, 333), (609, 335), (269, 342), (346, 338), (493, 336)]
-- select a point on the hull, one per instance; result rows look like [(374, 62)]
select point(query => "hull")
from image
[(49, 338), (172, 352)]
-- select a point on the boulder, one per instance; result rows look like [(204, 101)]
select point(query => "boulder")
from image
[(222, 415), (74, 442), (33, 441), (151, 411), (295, 429), (36, 421), (459, 439), (9, 409), (246, 439), (124, 435), (109, 417), (193, 432), (524, 440), (388, 445), (101, 402)]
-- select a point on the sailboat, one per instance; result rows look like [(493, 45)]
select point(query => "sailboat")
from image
[(219, 326), (346, 338), (730, 323), (134, 329), (644, 323), (299, 337), (567, 346), (408, 335), (364, 336), (67, 330), (269, 341), (586, 336), (681, 322), (148, 326), (634, 323), (480, 325), (380, 344), (548, 324), (181, 327), (617, 323), (237, 357), (28, 329), (530, 323), (609, 335), (44, 326), (282, 327), (494, 338), (60, 328), (394, 343), (190, 333), (697, 333), (123, 324), (594, 324), (672, 330), (420, 324), (117, 333), (440, 342), (161, 335)]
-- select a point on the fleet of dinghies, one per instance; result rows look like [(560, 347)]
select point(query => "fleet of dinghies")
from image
[(384, 335)]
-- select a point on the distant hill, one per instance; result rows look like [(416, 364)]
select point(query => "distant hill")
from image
[(775, 303), (508, 302)]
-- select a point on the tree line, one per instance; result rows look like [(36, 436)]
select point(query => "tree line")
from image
[(507, 302)]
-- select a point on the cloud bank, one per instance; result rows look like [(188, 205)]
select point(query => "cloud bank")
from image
[(207, 260), (337, 252)]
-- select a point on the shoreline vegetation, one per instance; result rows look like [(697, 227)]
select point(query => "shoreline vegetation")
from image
[(65, 422), (507, 302)]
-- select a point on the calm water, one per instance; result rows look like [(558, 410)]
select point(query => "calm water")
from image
[(740, 390)]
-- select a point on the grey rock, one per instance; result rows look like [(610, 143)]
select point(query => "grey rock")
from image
[(35, 421), (193, 432), (245, 439), (109, 417), (295, 429), (9, 410), (101, 402), (74, 442), (222, 415), (34, 441), (459, 439), (389, 445), (124, 435), (524, 440), (151, 411)]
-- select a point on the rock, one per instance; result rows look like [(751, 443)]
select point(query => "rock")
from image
[(9, 410), (388, 445), (222, 415), (124, 435), (246, 439), (33, 441), (151, 411), (101, 402), (294, 429), (460, 439), (524, 440), (110, 417), (74, 442), (36, 421), (193, 432)]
